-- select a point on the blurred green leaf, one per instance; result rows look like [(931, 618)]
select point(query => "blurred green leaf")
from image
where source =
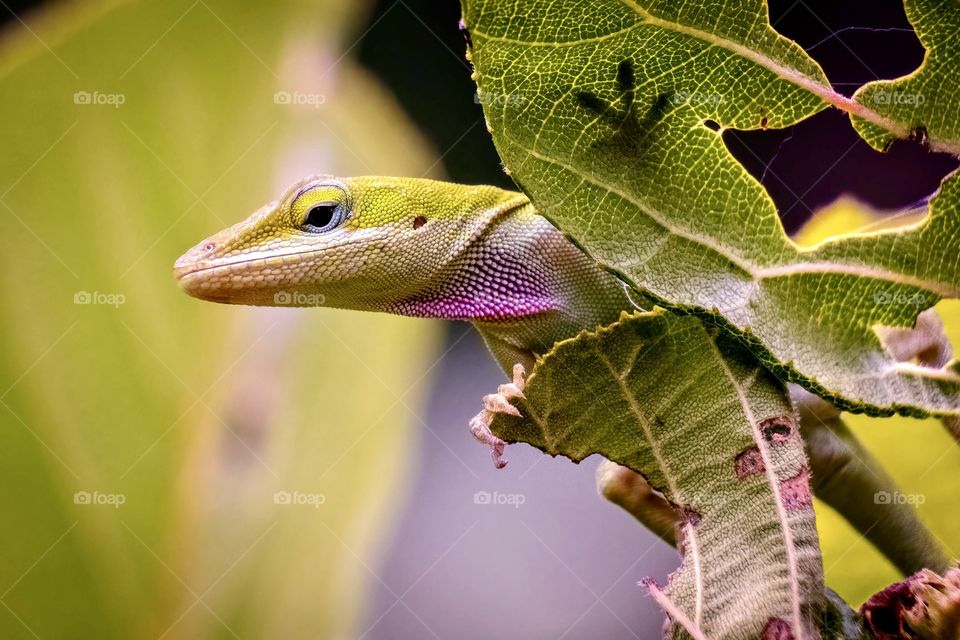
[(133, 130)]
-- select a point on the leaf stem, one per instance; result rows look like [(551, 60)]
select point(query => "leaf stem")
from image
[(675, 612)]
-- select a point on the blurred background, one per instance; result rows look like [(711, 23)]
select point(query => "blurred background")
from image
[(176, 469)]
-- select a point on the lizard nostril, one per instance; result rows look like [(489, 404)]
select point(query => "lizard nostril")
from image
[(210, 246)]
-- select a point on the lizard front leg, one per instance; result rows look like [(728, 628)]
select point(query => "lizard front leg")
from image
[(494, 403)]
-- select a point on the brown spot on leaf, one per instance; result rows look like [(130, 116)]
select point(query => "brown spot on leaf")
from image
[(748, 463), (763, 122), (777, 629), (778, 429), (795, 491), (419, 221)]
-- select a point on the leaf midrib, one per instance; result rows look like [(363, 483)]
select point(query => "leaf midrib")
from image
[(691, 532), (774, 483)]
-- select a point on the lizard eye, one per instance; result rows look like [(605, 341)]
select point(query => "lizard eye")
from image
[(323, 216)]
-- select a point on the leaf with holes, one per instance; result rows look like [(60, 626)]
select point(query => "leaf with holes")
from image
[(605, 113), (695, 414), (926, 99)]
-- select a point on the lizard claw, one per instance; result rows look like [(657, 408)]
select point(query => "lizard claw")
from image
[(480, 428), (494, 403), (514, 389), (498, 403)]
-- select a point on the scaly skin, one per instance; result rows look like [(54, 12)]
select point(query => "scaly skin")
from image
[(438, 250)]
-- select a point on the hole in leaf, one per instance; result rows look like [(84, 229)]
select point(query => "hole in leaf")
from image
[(713, 125), (812, 164), (853, 42), (778, 429)]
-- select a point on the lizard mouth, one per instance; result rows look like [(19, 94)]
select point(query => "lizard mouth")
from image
[(209, 280), (223, 283), (193, 262), (191, 280), (229, 281), (187, 266), (183, 271)]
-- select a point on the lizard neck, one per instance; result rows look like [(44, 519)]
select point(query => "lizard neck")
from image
[(522, 280), (497, 275)]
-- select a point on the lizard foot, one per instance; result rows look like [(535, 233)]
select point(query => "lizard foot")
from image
[(493, 404)]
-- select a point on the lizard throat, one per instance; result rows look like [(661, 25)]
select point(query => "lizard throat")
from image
[(506, 273)]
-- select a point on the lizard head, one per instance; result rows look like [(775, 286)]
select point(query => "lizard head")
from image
[(358, 243)]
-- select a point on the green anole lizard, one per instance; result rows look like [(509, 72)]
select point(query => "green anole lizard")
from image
[(481, 254)]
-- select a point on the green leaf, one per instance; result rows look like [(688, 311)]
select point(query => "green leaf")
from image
[(927, 99), (704, 423), (196, 414), (604, 113), (926, 476)]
